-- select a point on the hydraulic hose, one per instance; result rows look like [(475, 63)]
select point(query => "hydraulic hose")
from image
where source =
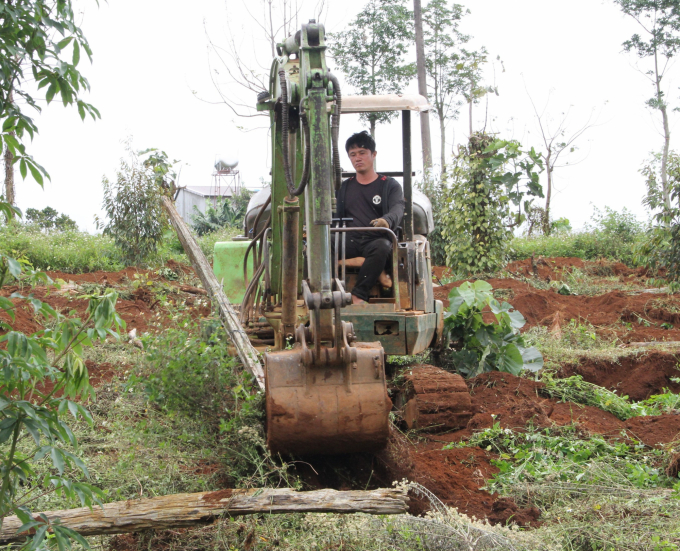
[(292, 190), (335, 130), (254, 240)]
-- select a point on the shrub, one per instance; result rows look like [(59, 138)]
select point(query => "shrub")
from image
[(133, 206), (227, 213), (489, 182), (613, 235), (68, 251), (483, 346)]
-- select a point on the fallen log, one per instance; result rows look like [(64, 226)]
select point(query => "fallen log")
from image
[(230, 320), (180, 510)]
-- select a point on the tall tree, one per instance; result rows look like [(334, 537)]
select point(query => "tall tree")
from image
[(238, 78), (371, 52), (659, 43), (39, 42), (471, 70), (559, 143), (425, 136), (444, 63)]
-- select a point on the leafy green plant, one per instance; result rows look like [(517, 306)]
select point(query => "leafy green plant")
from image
[(43, 373), (35, 38), (564, 454), (371, 52), (575, 389), (490, 181), (226, 213), (136, 219), (480, 345)]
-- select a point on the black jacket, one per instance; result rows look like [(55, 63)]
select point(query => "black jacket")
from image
[(392, 201)]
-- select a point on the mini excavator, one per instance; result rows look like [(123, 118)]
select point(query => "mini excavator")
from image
[(324, 358)]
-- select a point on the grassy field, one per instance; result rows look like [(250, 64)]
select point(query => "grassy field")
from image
[(181, 416)]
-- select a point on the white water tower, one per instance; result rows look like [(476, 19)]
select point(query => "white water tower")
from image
[(226, 179)]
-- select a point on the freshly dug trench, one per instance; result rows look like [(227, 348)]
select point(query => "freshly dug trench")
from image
[(636, 376)]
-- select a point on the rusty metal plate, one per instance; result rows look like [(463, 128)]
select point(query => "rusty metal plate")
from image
[(327, 410)]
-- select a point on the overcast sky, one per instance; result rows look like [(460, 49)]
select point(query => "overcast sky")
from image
[(151, 79)]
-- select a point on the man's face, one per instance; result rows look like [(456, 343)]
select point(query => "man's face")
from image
[(362, 158)]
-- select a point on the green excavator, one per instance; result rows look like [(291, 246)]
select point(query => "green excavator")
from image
[(324, 358)]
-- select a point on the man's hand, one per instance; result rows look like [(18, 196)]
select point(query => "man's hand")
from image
[(380, 223)]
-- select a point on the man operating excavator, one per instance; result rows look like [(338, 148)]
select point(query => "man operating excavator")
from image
[(369, 199)]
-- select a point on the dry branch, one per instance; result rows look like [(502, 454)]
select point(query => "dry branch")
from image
[(180, 510), (229, 317)]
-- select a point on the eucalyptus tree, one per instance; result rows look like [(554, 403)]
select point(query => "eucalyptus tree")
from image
[(40, 49), (444, 63), (372, 50), (658, 42)]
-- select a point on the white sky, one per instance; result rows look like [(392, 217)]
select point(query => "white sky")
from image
[(151, 64)]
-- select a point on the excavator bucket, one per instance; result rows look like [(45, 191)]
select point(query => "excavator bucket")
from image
[(329, 409)]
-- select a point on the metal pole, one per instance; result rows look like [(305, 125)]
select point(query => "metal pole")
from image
[(408, 185), (422, 90)]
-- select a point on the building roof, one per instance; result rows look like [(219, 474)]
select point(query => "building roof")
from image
[(385, 102)]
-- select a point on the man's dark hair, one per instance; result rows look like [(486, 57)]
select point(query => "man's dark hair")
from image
[(361, 139)]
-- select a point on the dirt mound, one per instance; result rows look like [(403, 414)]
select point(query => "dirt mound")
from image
[(656, 430), (138, 311), (516, 286), (630, 317), (544, 268), (638, 377), (455, 476)]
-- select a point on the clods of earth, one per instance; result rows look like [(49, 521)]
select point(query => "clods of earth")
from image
[(458, 475)]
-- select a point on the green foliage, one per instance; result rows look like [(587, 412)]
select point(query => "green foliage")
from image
[(49, 219), (188, 374), (371, 50), (446, 63), (227, 213), (575, 389), (483, 346), (36, 369), (69, 251), (491, 179), (563, 454), (612, 235), (660, 247), (35, 36), (136, 218)]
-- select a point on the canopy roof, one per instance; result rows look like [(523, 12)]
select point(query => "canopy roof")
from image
[(387, 102)]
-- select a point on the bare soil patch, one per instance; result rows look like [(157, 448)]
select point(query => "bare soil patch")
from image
[(638, 376)]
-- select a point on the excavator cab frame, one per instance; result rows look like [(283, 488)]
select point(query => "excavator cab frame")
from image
[(325, 366)]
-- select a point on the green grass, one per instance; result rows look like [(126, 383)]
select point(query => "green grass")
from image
[(587, 245), (70, 252), (593, 494)]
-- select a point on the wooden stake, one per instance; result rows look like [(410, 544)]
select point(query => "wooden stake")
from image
[(230, 320), (180, 510)]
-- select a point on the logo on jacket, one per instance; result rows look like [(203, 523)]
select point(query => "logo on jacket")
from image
[(377, 200)]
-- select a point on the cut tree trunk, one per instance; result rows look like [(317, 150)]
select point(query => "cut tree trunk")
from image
[(180, 510), (229, 317)]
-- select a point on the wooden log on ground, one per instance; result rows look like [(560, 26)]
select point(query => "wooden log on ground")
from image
[(180, 510), (246, 351)]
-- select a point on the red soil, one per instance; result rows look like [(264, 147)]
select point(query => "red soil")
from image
[(632, 318), (456, 476), (137, 312), (638, 377)]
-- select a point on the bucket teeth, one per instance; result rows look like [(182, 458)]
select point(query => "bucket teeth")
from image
[(328, 409)]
